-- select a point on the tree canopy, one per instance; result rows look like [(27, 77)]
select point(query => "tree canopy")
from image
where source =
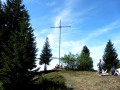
[(70, 60), (18, 44), (81, 61), (110, 56), (45, 56), (84, 61)]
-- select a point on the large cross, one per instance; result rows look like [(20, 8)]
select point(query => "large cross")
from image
[(60, 37)]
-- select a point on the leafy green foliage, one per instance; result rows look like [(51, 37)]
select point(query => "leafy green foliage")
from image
[(70, 60), (55, 77), (84, 62), (80, 62), (45, 56), (51, 81), (110, 56)]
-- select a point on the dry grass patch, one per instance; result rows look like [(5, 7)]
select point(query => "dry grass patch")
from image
[(89, 80)]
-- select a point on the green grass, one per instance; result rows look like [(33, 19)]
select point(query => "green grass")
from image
[(51, 81), (1, 88), (55, 77), (77, 80), (89, 80)]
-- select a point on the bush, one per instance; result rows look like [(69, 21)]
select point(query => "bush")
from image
[(51, 81), (1, 88), (84, 62)]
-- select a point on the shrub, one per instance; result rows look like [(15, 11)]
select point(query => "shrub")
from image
[(51, 81)]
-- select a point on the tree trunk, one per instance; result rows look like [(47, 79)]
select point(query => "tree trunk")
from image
[(45, 67)]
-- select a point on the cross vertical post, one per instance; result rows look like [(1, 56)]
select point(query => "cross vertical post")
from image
[(60, 37), (59, 42)]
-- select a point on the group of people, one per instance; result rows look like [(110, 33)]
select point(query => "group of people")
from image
[(114, 71), (58, 66)]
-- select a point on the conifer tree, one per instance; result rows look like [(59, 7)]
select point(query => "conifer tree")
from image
[(19, 46), (1, 31), (84, 61), (110, 56), (86, 50), (45, 56)]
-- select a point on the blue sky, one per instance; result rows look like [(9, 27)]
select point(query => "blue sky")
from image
[(93, 23)]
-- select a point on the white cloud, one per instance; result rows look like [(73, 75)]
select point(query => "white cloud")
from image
[(33, 1), (116, 42), (49, 67), (117, 46), (28, 1), (53, 39), (66, 14), (96, 52), (38, 33), (101, 31), (3, 0), (51, 3), (40, 43)]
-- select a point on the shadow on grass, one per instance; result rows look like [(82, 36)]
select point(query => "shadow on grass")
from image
[(50, 80), (45, 85), (49, 85)]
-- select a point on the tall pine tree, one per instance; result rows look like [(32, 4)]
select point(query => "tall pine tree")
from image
[(86, 50), (2, 28), (45, 56), (19, 46), (110, 56), (1, 14)]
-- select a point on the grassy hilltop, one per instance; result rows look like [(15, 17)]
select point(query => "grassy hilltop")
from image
[(74, 80)]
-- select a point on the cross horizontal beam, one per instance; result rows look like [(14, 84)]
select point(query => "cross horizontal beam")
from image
[(61, 27), (60, 36)]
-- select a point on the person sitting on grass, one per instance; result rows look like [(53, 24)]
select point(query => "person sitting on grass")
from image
[(104, 72), (117, 71), (113, 70)]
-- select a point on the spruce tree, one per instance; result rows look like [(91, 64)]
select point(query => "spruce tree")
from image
[(86, 50), (45, 56), (110, 56), (84, 61), (19, 46), (1, 31)]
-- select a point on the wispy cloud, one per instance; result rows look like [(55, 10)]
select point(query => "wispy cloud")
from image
[(32, 1), (98, 32), (96, 53), (3, 0), (28, 1), (67, 15), (51, 3)]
